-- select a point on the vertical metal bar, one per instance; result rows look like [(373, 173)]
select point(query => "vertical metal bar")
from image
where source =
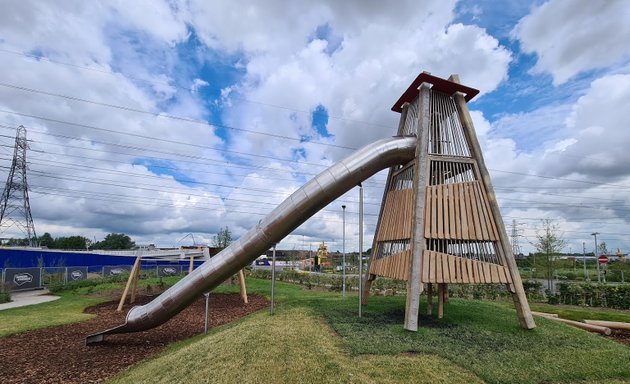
[(343, 247), (360, 248), (584, 261), (273, 279), (205, 326)]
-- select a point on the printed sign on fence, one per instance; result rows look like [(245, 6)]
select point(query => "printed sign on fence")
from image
[(116, 270), (169, 270), (22, 278), (76, 273)]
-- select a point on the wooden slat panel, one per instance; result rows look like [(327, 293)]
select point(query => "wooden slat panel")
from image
[(440, 215), (456, 209), (438, 267), (452, 266), (508, 275), (425, 266), (483, 226), (427, 211), (465, 278), (451, 213), (471, 272), (446, 275), (431, 267), (494, 273), (396, 222), (502, 277)]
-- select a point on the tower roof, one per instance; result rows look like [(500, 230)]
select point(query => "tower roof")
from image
[(439, 84)]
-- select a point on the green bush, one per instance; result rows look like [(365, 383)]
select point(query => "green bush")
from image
[(595, 295), (5, 293)]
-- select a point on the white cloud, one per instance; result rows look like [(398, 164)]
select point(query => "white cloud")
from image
[(571, 38)]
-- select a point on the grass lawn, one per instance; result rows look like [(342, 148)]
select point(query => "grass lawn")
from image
[(68, 309), (317, 337)]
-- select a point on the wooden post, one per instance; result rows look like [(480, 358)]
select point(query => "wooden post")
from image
[(135, 282), (132, 274), (518, 293), (429, 299), (418, 242), (241, 283), (440, 300)]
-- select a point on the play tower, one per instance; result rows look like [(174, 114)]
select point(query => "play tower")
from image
[(440, 222)]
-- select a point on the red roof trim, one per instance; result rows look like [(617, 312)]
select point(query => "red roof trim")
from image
[(439, 84)]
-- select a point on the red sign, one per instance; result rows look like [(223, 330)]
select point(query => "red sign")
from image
[(602, 259)]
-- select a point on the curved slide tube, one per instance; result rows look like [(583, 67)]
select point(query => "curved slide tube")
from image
[(290, 214)]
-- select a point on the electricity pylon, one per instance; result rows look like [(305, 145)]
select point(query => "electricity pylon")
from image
[(15, 209)]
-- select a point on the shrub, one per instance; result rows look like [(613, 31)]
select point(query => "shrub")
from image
[(595, 295), (5, 293)]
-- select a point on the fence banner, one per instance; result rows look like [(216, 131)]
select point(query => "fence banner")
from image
[(23, 278), (169, 270), (116, 270), (76, 273)]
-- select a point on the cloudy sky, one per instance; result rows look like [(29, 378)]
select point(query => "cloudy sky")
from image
[(162, 119)]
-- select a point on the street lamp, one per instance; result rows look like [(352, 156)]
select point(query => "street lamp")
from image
[(360, 247), (599, 278), (343, 247)]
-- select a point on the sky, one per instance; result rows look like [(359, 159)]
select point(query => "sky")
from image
[(169, 120)]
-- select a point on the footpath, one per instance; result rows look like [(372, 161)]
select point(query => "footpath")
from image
[(24, 298)]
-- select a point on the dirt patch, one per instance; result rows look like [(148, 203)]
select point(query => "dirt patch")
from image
[(59, 354), (620, 336)]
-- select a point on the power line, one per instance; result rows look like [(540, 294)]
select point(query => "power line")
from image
[(188, 89)]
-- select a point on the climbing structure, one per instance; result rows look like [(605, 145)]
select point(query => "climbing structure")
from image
[(439, 221)]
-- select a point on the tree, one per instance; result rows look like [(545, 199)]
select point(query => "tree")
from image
[(46, 240), (71, 242), (548, 244), (602, 249), (115, 241), (222, 239)]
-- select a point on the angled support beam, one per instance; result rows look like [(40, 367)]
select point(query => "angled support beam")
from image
[(518, 293), (418, 242)]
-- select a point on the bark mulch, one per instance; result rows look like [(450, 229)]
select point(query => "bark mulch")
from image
[(59, 354), (620, 336)]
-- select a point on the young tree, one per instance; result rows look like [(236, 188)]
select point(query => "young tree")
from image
[(549, 243), (603, 250), (222, 239)]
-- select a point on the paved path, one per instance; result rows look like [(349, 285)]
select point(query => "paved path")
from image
[(24, 298)]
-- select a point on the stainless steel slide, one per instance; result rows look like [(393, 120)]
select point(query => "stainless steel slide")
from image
[(291, 213)]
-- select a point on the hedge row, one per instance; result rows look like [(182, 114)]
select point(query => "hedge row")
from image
[(594, 295)]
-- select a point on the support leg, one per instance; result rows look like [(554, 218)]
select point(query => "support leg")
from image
[(429, 299), (441, 300), (134, 288), (241, 283), (366, 288)]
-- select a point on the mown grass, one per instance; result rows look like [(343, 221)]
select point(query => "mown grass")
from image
[(479, 340), (68, 309), (583, 313), (290, 347)]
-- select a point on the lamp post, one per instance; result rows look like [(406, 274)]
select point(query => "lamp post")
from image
[(599, 278), (273, 280), (343, 259), (360, 246), (584, 260)]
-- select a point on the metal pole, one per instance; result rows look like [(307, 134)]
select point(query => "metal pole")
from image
[(360, 246), (584, 261), (599, 278), (343, 260), (205, 326), (273, 279)]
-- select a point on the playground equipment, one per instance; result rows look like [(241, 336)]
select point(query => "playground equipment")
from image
[(440, 221), (459, 238), (296, 209)]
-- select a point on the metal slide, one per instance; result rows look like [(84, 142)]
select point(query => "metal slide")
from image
[(290, 214)]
